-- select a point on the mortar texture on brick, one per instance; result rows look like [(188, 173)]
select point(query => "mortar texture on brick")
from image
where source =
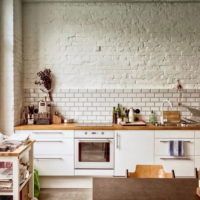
[(112, 45)]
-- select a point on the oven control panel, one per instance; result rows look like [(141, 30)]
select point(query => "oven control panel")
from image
[(94, 134)]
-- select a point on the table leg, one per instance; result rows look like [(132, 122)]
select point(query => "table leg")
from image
[(16, 177), (31, 181)]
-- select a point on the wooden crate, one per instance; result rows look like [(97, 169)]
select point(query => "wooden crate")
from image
[(24, 193)]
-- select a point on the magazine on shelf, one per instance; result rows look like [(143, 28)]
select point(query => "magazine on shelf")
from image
[(6, 185), (5, 174)]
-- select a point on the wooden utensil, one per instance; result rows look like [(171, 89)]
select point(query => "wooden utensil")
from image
[(57, 119)]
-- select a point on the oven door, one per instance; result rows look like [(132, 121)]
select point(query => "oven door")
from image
[(94, 153)]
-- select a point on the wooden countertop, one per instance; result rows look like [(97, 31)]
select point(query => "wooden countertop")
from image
[(18, 151), (113, 127)]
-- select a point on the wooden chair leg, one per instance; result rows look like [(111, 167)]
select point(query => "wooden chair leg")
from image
[(196, 173), (127, 176), (173, 174)]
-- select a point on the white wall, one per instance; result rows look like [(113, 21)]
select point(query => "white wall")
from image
[(107, 53), (110, 45), (18, 65), (6, 67), (11, 68)]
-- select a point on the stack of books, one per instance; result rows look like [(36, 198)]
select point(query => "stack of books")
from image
[(5, 178)]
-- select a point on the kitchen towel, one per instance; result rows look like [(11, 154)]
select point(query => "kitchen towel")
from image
[(176, 148)]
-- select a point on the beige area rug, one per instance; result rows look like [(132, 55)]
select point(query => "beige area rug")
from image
[(66, 194)]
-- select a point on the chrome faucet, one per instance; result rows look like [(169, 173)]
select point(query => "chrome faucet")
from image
[(162, 120)]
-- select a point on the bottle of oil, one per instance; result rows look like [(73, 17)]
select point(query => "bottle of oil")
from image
[(152, 118), (114, 116), (131, 115)]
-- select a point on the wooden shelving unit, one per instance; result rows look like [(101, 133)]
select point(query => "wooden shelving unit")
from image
[(15, 157)]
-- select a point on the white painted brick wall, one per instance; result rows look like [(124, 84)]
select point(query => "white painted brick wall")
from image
[(18, 65), (143, 45)]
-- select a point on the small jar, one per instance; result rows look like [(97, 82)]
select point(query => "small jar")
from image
[(119, 120)]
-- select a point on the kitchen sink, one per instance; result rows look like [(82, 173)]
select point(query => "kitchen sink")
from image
[(180, 124)]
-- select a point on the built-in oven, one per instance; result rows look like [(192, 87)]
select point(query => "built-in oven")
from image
[(94, 149)]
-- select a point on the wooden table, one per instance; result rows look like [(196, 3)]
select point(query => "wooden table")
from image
[(14, 157), (144, 189)]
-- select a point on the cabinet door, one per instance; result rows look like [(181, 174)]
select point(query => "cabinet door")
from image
[(162, 146), (183, 167), (132, 148), (55, 165), (54, 147)]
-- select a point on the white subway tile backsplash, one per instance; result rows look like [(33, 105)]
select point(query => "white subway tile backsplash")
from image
[(114, 95), (149, 94), (194, 95), (128, 99), (105, 95), (69, 104), (96, 105), (87, 95), (78, 95), (73, 99), (82, 99), (60, 95), (69, 95), (83, 90)]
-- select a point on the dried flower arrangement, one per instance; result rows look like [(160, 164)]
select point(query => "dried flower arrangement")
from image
[(46, 81)]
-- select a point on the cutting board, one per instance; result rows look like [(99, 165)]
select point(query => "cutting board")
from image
[(172, 116), (136, 123)]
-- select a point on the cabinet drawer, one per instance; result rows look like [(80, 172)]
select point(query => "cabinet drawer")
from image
[(21, 133), (52, 134), (181, 167), (197, 162), (197, 134), (174, 134), (162, 147), (54, 165), (197, 147), (54, 146)]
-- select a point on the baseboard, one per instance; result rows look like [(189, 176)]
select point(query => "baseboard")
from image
[(65, 182)]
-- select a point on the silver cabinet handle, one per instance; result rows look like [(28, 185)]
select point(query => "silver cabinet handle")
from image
[(49, 158), (49, 141), (177, 140), (96, 141), (118, 141), (176, 158), (60, 133), (94, 133)]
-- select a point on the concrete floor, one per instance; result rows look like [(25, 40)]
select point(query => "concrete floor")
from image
[(65, 194)]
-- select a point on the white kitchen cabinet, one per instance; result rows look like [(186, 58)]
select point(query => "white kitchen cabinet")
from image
[(174, 134), (53, 151), (52, 165), (131, 148), (162, 146), (183, 166), (197, 149), (63, 146)]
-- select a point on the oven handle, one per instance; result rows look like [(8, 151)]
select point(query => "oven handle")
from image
[(118, 141), (98, 140)]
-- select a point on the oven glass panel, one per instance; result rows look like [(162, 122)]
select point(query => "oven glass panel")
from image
[(94, 152)]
